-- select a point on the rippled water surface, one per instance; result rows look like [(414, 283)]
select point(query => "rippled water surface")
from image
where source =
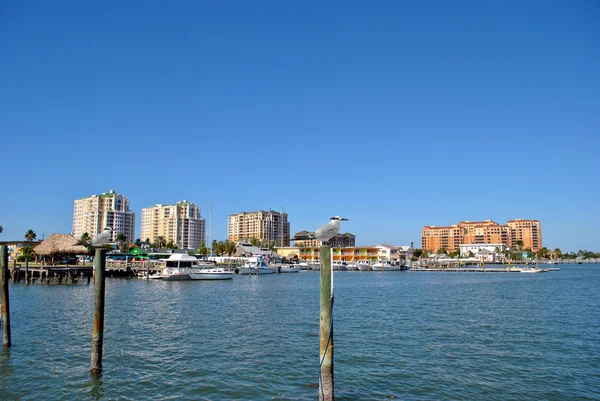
[(403, 335)]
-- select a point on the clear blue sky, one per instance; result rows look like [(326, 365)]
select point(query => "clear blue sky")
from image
[(394, 114)]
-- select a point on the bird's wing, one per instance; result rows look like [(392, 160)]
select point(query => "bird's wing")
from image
[(328, 231), (101, 238)]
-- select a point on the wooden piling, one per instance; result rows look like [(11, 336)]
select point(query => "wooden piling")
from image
[(326, 327), (99, 293), (6, 342)]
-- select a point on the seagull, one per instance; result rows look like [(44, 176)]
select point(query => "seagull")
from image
[(102, 238), (323, 233)]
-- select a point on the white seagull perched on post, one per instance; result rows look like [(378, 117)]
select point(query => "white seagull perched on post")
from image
[(323, 233), (102, 238)]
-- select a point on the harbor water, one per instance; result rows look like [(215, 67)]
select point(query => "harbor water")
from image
[(398, 335)]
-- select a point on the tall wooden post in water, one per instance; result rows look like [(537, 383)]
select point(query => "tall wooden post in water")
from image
[(98, 332), (4, 297), (326, 327)]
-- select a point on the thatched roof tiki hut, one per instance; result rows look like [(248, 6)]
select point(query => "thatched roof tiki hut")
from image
[(59, 245)]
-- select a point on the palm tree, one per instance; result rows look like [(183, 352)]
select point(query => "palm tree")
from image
[(203, 250), (30, 235), (27, 252), (122, 241), (519, 244), (229, 247), (161, 241)]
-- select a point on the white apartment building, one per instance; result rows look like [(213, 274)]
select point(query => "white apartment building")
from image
[(91, 215), (262, 225), (180, 223)]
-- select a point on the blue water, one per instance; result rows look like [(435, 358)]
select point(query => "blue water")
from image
[(402, 335)]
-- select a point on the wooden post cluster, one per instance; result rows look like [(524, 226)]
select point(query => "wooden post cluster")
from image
[(6, 342), (99, 293), (326, 327)]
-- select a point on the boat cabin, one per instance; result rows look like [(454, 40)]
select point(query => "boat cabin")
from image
[(181, 260)]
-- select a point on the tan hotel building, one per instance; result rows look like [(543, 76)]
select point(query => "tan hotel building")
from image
[(180, 223), (262, 225), (92, 215), (483, 232)]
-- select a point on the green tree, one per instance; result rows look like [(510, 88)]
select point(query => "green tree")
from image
[(171, 245), (160, 242), (85, 240), (255, 241), (122, 242), (441, 251), (417, 253), (26, 252), (229, 247), (558, 253), (519, 244), (30, 235), (217, 248), (203, 251)]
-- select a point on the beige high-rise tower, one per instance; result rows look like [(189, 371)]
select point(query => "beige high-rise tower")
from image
[(180, 223), (265, 226), (91, 215)]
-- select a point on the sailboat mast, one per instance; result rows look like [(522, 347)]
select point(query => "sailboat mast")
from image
[(210, 229)]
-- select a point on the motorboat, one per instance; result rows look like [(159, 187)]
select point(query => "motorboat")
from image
[(363, 266), (180, 267), (339, 266), (256, 265), (384, 265), (532, 270), (289, 269), (353, 266)]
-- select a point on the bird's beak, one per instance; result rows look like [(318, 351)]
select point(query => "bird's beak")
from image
[(344, 219)]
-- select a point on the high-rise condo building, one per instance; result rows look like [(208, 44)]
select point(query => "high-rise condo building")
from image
[(92, 215), (180, 223), (266, 226), (529, 232)]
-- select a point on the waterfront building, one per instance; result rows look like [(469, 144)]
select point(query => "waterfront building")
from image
[(180, 223), (265, 226), (394, 253), (338, 241), (483, 252), (447, 237), (15, 247), (483, 232), (351, 253), (92, 215), (527, 231)]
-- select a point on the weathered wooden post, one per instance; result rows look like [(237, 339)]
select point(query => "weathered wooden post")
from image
[(98, 331), (26, 269), (4, 297), (326, 327)]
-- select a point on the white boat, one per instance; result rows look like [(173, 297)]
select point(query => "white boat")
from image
[(256, 265), (363, 266), (384, 265), (315, 265), (180, 267), (289, 269), (532, 270), (339, 266), (353, 266)]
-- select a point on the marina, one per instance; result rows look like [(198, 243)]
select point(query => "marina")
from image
[(256, 337)]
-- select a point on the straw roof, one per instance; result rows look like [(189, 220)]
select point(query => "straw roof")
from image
[(60, 243)]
